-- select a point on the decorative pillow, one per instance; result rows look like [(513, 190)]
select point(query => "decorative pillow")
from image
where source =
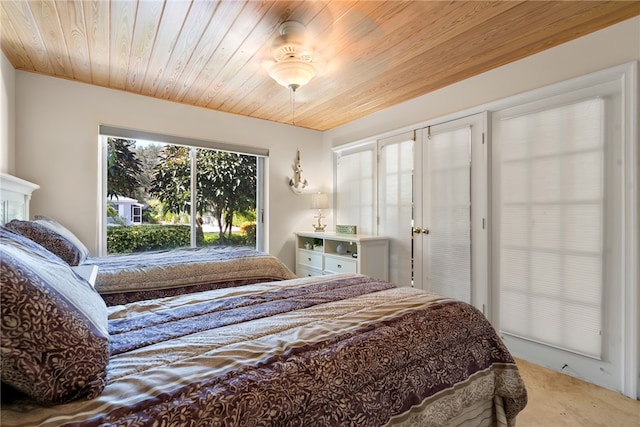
[(59, 228), (53, 335), (54, 237), (27, 244)]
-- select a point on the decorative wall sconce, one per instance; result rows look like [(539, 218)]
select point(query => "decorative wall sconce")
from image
[(297, 183), (319, 201)]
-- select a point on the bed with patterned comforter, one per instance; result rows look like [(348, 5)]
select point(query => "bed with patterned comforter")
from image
[(133, 277), (138, 276), (319, 351)]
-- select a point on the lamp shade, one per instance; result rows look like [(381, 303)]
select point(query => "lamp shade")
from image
[(292, 72), (319, 201)]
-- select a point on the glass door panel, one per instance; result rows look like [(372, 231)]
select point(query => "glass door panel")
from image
[(447, 213), (450, 241)]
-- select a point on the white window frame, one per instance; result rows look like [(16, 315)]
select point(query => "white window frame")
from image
[(627, 76), (261, 154)]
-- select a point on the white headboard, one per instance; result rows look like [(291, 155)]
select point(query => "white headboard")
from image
[(15, 194)]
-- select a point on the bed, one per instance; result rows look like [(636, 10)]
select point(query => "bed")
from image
[(133, 277), (340, 349)]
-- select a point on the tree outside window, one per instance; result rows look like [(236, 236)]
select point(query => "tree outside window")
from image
[(158, 176)]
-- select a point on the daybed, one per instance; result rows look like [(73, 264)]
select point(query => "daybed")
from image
[(318, 351), (133, 277)]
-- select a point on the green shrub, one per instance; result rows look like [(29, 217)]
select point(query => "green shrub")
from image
[(153, 213), (248, 229), (141, 238), (236, 239), (248, 216)]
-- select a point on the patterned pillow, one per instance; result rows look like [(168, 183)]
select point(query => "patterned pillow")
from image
[(53, 335), (27, 244), (54, 237)]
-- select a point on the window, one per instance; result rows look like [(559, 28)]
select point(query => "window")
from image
[(136, 214), (355, 181), (181, 195), (564, 172), (552, 205), (395, 207)]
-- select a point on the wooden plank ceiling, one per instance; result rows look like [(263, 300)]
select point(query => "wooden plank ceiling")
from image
[(371, 54)]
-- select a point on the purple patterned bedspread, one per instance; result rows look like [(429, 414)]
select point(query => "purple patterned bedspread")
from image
[(133, 277), (332, 350)]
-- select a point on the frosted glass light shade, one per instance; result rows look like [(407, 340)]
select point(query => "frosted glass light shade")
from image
[(292, 72)]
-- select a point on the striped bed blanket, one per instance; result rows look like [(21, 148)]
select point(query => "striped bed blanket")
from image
[(132, 277), (320, 351)]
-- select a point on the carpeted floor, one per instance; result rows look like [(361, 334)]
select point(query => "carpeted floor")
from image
[(558, 400)]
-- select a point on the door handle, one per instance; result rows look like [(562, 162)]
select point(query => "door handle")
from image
[(418, 230)]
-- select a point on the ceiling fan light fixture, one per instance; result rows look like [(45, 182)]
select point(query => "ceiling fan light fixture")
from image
[(293, 65), (292, 73)]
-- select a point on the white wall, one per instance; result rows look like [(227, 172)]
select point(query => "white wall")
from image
[(57, 147), (7, 116)]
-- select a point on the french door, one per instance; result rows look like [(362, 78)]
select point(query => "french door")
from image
[(395, 196), (450, 211)]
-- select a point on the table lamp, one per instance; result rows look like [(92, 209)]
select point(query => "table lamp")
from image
[(319, 201)]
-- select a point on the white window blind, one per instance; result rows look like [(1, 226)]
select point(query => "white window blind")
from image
[(551, 202), (395, 207), (447, 186), (356, 187)]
